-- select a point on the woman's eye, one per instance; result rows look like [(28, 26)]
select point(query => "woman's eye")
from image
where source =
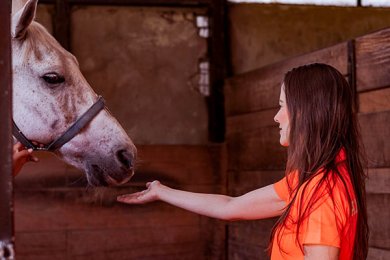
[(53, 78)]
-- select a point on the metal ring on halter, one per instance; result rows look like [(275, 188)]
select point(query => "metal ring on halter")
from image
[(7, 251)]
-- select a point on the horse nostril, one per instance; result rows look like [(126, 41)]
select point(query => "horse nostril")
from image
[(125, 158)]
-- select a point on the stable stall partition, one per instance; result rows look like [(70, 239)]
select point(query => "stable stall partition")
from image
[(144, 60), (256, 159)]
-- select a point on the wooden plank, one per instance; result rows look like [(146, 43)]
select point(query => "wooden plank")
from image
[(378, 254), (259, 90), (378, 181), (37, 211), (256, 150), (374, 101), (172, 164), (242, 182), (215, 232), (378, 220), (110, 244), (89, 242), (177, 3), (375, 133), (176, 251), (183, 164), (251, 121), (239, 251), (254, 232), (41, 244), (373, 60)]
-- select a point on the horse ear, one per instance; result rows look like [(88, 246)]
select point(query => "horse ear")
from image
[(23, 18)]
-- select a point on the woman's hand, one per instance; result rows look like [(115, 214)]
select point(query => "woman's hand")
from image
[(20, 157), (142, 197)]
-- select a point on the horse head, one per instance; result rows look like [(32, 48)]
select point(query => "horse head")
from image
[(50, 94)]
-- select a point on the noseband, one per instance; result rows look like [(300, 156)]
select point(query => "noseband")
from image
[(71, 132)]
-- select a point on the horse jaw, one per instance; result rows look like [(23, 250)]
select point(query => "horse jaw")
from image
[(44, 111)]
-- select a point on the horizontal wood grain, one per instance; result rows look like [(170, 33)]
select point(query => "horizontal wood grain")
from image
[(250, 121), (373, 60), (378, 220), (374, 101), (256, 150), (378, 254), (375, 133), (259, 89), (378, 180)]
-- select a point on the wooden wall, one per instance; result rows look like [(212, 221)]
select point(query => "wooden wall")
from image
[(56, 217), (255, 157)]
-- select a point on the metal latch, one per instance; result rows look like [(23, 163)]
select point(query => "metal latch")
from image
[(202, 23)]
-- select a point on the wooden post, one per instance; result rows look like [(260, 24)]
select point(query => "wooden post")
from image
[(217, 49), (6, 180), (62, 23)]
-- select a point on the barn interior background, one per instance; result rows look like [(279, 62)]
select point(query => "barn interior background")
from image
[(152, 61)]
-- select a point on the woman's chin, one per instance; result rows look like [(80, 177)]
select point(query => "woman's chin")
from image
[(283, 142)]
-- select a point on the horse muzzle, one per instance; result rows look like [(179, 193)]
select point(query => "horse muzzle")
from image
[(108, 172)]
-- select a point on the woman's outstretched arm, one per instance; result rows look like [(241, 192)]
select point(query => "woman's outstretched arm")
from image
[(257, 204)]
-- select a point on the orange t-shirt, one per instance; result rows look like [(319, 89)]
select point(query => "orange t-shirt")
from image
[(329, 221)]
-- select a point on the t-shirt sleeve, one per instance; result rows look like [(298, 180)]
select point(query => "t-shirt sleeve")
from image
[(281, 189), (323, 224)]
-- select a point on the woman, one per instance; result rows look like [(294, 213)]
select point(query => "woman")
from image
[(321, 201)]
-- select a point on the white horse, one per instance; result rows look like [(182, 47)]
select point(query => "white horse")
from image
[(50, 94)]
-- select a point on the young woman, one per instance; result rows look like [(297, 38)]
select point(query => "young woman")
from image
[(321, 201)]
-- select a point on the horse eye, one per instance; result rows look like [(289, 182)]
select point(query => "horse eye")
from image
[(53, 78)]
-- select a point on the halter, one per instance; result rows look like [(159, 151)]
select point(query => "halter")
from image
[(71, 132)]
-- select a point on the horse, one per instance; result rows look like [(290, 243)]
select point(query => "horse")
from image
[(54, 105)]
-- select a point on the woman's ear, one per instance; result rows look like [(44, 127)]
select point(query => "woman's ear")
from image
[(23, 18)]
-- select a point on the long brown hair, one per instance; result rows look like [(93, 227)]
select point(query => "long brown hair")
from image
[(323, 121)]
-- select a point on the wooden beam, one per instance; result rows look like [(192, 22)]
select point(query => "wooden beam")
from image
[(374, 101), (61, 23), (373, 58), (256, 150), (217, 52), (177, 3), (378, 181), (375, 133), (259, 89), (378, 220), (6, 180)]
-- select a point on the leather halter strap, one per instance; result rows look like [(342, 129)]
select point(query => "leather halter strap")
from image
[(71, 132)]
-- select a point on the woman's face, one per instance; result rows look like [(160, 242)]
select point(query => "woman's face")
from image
[(282, 119)]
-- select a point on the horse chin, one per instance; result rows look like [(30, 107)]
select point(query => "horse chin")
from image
[(112, 182), (97, 177)]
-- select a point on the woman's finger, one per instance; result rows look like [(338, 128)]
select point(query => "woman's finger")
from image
[(34, 159), (18, 147)]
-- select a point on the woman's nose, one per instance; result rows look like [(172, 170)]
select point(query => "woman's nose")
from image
[(276, 118)]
